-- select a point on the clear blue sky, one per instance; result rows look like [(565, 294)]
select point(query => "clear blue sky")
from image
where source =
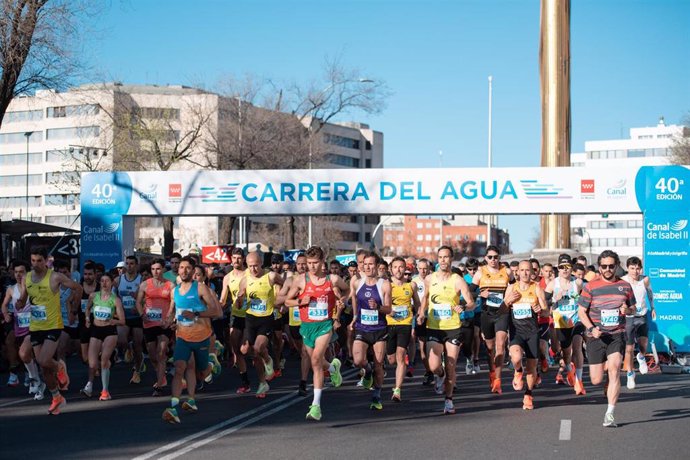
[(629, 61)]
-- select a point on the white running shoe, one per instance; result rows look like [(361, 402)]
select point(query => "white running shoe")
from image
[(469, 367), (609, 421), (476, 369), (631, 381), (33, 387), (448, 407), (438, 384), (13, 381), (642, 361), (39, 391)]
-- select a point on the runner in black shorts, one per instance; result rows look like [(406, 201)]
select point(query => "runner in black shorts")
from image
[(89, 286), (423, 270)]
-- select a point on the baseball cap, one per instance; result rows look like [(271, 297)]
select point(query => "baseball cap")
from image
[(352, 264), (120, 265), (564, 259)]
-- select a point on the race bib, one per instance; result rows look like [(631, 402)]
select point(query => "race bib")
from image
[(39, 313), (295, 314), (401, 312), (610, 318), (370, 317), (128, 302), (318, 311), (84, 303), (522, 311), (102, 313), (494, 300), (442, 311), (23, 319), (182, 321), (10, 307), (154, 314), (258, 306)]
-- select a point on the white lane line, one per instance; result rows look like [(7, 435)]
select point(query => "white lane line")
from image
[(12, 403), (230, 421), (566, 426)]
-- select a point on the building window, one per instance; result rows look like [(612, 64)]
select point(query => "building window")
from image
[(23, 115), (427, 237), (68, 177), (16, 138), (367, 163), (73, 221), (420, 237), (400, 237), (367, 145), (156, 113), (420, 225), (428, 225), (437, 237), (350, 236), (72, 133), (371, 220), (342, 160), (367, 237), (481, 238), (20, 180), (61, 199), (341, 141), (16, 159), (19, 202), (72, 111)]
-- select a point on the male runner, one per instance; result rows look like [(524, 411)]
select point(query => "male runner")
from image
[(89, 285), (153, 305), (636, 329), (278, 317), (171, 275), (192, 307), (492, 280), (231, 288), (602, 305), (472, 367), (127, 286), (69, 339), (257, 287), (423, 270), (405, 303), (525, 299), (371, 302), (41, 288), (442, 308), (319, 298)]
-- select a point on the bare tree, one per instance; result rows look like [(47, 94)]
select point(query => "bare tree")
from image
[(37, 42), (680, 149)]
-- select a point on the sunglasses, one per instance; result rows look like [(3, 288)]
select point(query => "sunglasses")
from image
[(564, 267), (607, 266), (493, 257)]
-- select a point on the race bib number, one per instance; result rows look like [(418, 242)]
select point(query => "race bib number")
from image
[(567, 304), (154, 314), (522, 311), (370, 317), (295, 314), (494, 300), (443, 311), (318, 311), (39, 313), (610, 318), (84, 303), (23, 319), (10, 307), (102, 313), (182, 321), (401, 312), (258, 306), (128, 302)]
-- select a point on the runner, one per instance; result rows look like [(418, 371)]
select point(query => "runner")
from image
[(603, 302), (153, 305), (108, 313), (127, 286), (8, 314), (279, 319), (69, 339), (215, 347), (89, 286), (371, 302), (192, 307), (441, 305), (317, 294), (636, 329), (563, 293), (423, 270), (405, 304), (492, 280), (472, 367), (257, 287), (42, 287), (171, 275), (526, 301), (231, 287)]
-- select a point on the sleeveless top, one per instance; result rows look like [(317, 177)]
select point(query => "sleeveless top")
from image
[(45, 304), (368, 319), (195, 329), (442, 297), (234, 288), (497, 284), (564, 311), (523, 318), (127, 290), (260, 296), (641, 295), (156, 302), (401, 314), (103, 310), (321, 306)]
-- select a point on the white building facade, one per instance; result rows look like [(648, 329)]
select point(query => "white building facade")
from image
[(623, 233)]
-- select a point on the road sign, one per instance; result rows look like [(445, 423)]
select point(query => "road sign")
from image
[(216, 254)]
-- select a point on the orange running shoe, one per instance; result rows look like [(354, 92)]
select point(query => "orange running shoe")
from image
[(570, 376), (62, 377), (579, 388), (544, 365), (517, 381), (496, 386), (527, 403), (58, 401), (559, 379), (492, 376), (105, 396)]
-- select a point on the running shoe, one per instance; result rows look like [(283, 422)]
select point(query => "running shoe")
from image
[(209, 378), (302, 391), (170, 415), (439, 384), (631, 381), (243, 389), (27, 380), (544, 365), (40, 392), (367, 382), (496, 386), (282, 363), (360, 382), (410, 371), (213, 359), (428, 379), (336, 376), (87, 390), (476, 368), (314, 412), (397, 397), (642, 362), (609, 421), (62, 377), (469, 367), (527, 402), (570, 375), (559, 379), (190, 406), (105, 396), (448, 407), (277, 373), (142, 368), (58, 401), (129, 356), (376, 404), (13, 381), (517, 381), (268, 369), (157, 392), (579, 387), (262, 390), (136, 378), (33, 386)]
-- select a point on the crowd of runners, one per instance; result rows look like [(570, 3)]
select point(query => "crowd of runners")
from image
[(177, 322)]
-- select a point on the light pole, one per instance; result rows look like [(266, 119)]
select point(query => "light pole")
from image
[(489, 154), (440, 219), (27, 135)]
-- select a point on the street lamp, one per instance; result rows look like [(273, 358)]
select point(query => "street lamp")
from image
[(27, 135)]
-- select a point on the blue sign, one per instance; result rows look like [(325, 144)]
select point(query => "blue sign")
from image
[(345, 259)]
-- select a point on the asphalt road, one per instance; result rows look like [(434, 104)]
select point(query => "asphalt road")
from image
[(652, 422)]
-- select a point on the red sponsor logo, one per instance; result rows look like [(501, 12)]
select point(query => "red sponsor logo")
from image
[(216, 254), (175, 190), (587, 186)]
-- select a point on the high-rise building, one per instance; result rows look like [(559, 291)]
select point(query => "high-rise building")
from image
[(101, 127), (623, 233)]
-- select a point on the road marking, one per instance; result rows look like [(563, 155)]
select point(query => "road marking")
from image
[(285, 404), (12, 403), (566, 426)]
